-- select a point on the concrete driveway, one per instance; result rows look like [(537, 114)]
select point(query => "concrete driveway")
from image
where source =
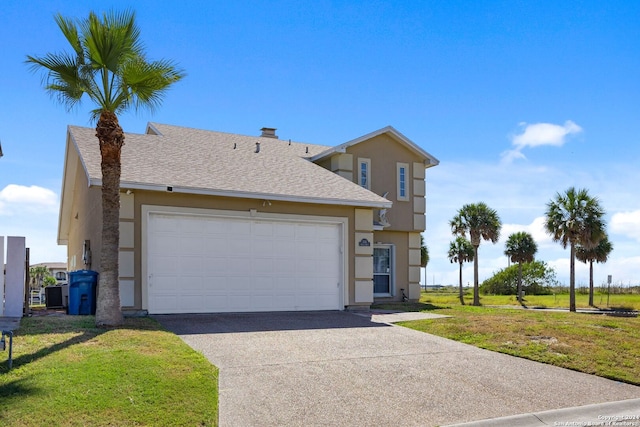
[(340, 368)]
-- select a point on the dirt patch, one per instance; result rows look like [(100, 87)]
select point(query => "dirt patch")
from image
[(544, 340)]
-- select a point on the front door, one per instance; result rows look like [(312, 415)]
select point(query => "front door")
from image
[(383, 270)]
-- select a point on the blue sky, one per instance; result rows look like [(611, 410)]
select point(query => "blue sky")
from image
[(517, 99)]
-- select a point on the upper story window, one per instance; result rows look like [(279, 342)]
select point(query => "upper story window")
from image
[(61, 275), (364, 173), (403, 181)]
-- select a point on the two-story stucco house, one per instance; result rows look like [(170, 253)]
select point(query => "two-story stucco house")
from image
[(218, 222)]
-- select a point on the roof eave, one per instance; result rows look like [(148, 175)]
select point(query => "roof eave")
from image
[(249, 195), (69, 173)]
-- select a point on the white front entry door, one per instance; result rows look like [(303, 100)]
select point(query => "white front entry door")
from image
[(383, 275)]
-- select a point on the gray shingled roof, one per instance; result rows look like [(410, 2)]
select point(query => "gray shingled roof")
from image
[(206, 162)]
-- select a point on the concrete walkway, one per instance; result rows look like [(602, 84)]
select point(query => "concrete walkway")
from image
[(9, 323), (340, 368)]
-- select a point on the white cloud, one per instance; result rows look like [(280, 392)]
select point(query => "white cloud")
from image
[(536, 228), (16, 199), (539, 134), (31, 211), (626, 223)]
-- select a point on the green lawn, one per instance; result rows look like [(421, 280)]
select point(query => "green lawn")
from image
[(66, 372), (616, 301), (592, 343)]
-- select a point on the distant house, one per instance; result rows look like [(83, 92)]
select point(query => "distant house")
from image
[(57, 269), (219, 222)]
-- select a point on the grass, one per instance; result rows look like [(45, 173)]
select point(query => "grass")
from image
[(616, 301), (66, 372), (595, 344)]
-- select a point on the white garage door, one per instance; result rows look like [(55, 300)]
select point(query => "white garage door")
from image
[(200, 264)]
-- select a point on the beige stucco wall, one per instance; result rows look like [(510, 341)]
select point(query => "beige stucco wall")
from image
[(86, 223), (385, 153)]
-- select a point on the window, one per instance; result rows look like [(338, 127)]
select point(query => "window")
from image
[(403, 182), (364, 173), (61, 275)]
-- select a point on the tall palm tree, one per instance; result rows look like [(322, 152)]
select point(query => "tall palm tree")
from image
[(599, 253), (461, 251), (520, 248), (575, 218), (108, 64), (481, 223)]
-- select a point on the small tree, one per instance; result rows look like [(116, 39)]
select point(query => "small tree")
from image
[(461, 251), (520, 248), (537, 279)]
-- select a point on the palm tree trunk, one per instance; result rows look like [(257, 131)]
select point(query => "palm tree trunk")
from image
[(476, 292), (590, 283), (519, 289), (572, 279), (111, 137), (460, 281)]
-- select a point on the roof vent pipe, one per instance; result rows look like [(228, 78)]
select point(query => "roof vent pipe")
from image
[(257, 147), (269, 133)]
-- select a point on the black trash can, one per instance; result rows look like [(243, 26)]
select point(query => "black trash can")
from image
[(82, 292)]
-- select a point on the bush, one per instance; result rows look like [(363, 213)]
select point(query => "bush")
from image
[(537, 279)]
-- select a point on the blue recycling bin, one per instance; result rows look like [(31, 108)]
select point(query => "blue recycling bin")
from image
[(82, 292)]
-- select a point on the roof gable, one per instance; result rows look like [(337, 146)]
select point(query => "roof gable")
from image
[(429, 160)]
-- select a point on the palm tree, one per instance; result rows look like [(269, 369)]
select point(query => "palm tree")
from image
[(461, 251), (424, 258), (599, 253), (575, 218), (481, 223), (107, 64), (520, 247), (38, 275)]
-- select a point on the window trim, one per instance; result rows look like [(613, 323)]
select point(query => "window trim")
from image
[(399, 167), (367, 163)]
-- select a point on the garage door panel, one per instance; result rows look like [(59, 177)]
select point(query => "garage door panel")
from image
[(192, 245), (263, 266), (163, 223), (239, 228), (163, 243), (191, 265), (262, 246), (215, 245), (236, 266), (191, 284), (307, 231), (214, 264), (284, 230)]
